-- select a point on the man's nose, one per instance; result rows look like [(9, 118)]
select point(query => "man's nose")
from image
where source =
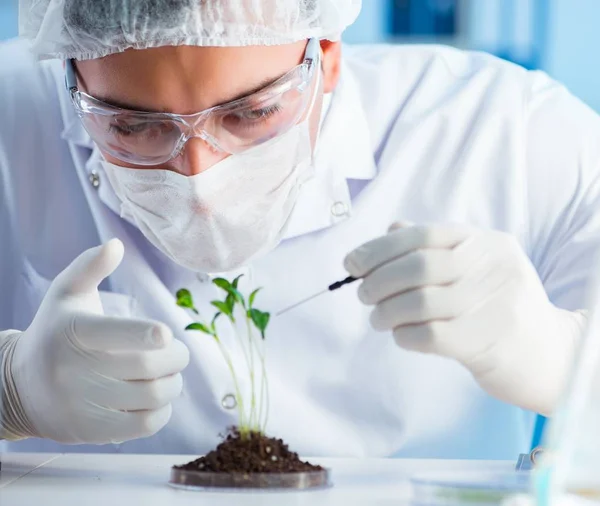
[(198, 156)]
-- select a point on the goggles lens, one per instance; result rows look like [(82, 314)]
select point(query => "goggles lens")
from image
[(142, 138)]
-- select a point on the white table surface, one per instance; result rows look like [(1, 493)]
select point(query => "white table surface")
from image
[(20, 465), (113, 480)]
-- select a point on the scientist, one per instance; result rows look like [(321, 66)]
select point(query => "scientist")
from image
[(158, 144)]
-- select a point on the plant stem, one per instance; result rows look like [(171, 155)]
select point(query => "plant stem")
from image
[(250, 371), (265, 383), (250, 368), (255, 423), (239, 399), (264, 386)]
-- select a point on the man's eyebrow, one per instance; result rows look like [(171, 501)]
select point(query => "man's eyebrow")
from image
[(138, 107)]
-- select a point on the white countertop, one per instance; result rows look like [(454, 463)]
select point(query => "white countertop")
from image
[(113, 480)]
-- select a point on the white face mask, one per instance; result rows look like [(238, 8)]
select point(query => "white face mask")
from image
[(219, 219)]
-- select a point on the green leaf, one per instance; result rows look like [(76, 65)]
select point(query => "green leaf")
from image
[(230, 289), (222, 283), (238, 296), (224, 308), (236, 281), (221, 306), (266, 319), (201, 327), (185, 300), (230, 301), (252, 297), (260, 320)]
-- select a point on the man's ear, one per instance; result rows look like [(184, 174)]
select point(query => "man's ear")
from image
[(332, 61)]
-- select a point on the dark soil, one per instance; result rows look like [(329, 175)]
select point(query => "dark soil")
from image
[(254, 454)]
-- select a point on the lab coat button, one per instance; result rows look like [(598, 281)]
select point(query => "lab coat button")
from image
[(229, 402), (94, 178), (339, 209)]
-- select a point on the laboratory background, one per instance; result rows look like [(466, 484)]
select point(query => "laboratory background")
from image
[(560, 37)]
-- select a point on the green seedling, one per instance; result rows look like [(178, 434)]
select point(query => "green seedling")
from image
[(252, 415)]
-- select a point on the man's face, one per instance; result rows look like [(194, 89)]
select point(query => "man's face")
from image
[(186, 80)]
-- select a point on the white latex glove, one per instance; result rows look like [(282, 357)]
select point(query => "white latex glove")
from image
[(78, 376), (475, 297)]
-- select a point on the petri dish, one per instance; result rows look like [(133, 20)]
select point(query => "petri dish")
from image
[(198, 480), (467, 488)]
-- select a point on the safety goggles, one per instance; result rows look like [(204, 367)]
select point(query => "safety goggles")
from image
[(149, 138)]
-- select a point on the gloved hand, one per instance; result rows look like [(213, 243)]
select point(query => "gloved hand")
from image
[(475, 297), (78, 376)]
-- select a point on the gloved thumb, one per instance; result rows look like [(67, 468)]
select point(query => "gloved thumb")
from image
[(397, 225), (90, 268)]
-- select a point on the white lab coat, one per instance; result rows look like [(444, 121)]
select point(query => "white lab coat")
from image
[(424, 134)]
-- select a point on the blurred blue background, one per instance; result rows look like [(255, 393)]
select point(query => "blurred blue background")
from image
[(560, 37)]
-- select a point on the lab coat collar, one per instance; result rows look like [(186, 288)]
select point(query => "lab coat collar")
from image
[(344, 151), (346, 143)]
